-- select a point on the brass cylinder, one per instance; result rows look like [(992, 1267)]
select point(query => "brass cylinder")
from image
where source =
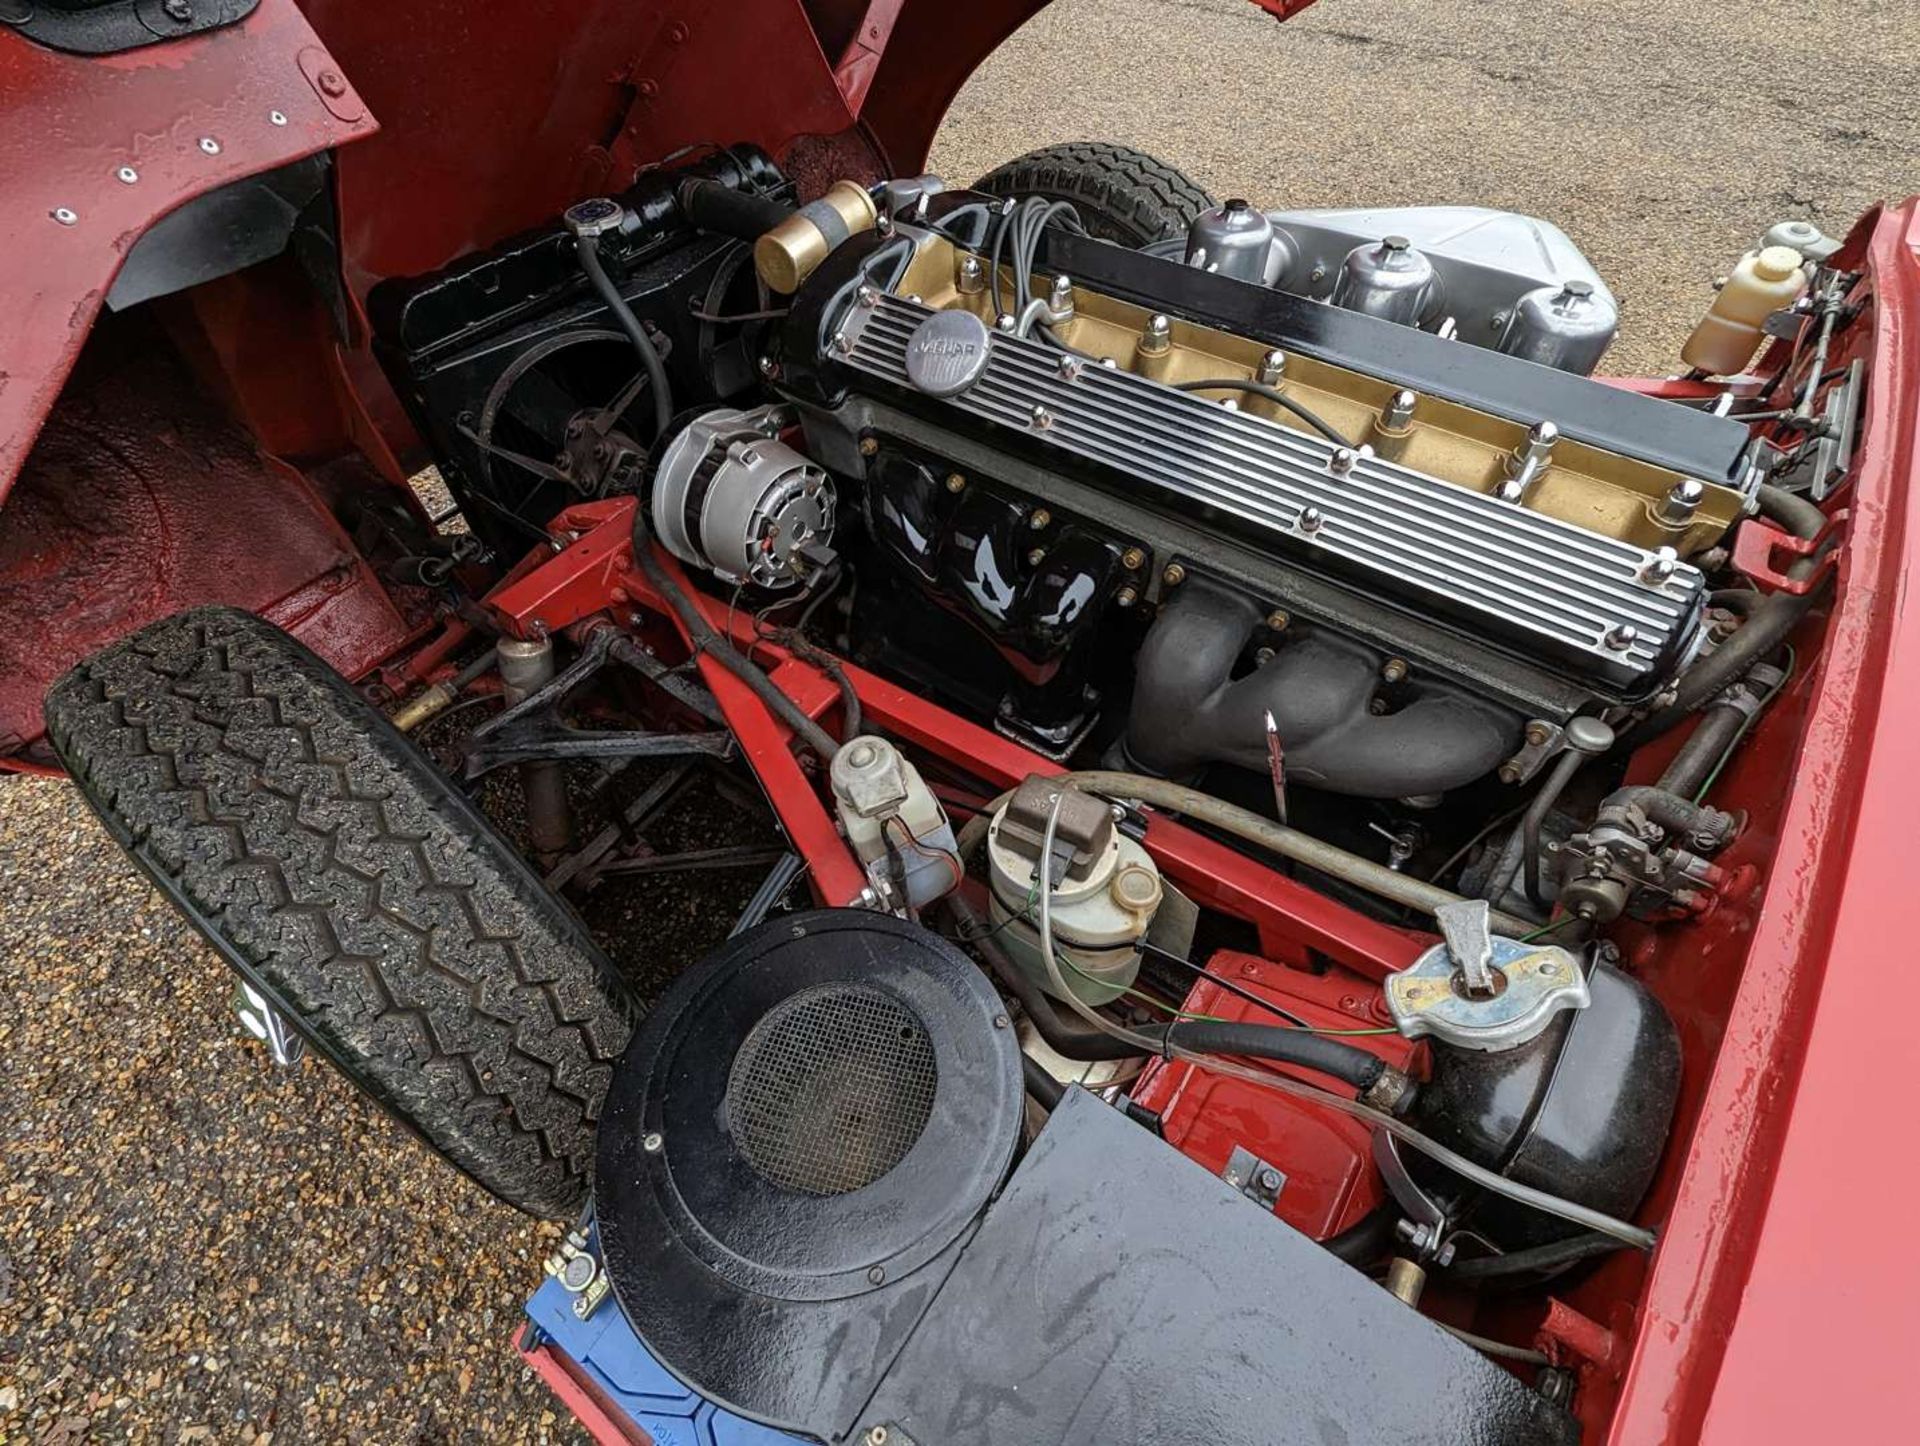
[(788, 254), (428, 703), (1405, 1279)]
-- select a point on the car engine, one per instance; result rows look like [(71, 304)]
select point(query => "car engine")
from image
[(1311, 529)]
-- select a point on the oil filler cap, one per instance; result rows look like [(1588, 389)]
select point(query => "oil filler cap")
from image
[(947, 353)]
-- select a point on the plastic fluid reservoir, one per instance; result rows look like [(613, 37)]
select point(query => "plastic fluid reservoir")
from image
[(1765, 281), (1232, 239), (1106, 891), (1388, 279), (891, 818)]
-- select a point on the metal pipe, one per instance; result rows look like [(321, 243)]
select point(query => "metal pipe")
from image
[(1289, 843)]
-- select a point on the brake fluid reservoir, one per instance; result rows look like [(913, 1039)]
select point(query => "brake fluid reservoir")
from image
[(894, 823), (1765, 281), (1106, 891)]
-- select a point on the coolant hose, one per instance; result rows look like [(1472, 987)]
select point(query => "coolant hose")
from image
[(1045, 1089), (705, 638), (1554, 1255), (1345, 1062), (588, 249), (710, 205), (1069, 1039), (1674, 815), (1367, 1239), (1289, 843), (1765, 629)]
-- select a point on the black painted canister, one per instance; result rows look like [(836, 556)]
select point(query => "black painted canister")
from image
[(1582, 1111)]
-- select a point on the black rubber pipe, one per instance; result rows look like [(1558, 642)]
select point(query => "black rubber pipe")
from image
[(1045, 1089), (1332, 1057), (1367, 1239), (1068, 1038), (706, 639), (709, 205), (588, 249), (1554, 1256), (1345, 1062), (1765, 629), (1719, 725)]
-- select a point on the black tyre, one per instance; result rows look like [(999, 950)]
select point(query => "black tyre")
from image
[(355, 888), (1121, 194)]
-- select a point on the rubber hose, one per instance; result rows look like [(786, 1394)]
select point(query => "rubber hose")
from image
[(710, 205), (1332, 1057), (1765, 629), (1289, 843), (1367, 1239), (1720, 725), (1552, 1256), (706, 639), (1068, 1038), (1045, 1089), (1671, 812), (1345, 1062), (588, 249)]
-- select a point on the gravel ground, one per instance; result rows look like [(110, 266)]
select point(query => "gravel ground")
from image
[(194, 1247)]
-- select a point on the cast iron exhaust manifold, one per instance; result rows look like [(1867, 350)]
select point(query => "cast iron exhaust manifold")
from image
[(1189, 709)]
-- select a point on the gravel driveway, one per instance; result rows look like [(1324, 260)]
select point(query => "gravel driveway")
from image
[(194, 1247)]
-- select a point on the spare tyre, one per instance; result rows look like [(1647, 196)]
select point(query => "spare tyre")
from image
[(356, 889)]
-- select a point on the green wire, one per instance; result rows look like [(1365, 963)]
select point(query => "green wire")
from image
[(1548, 928), (1033, 897)]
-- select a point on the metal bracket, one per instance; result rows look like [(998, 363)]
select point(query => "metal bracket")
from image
[(580, 1274), (1254, 1177), (1758, 542), (532, 729)]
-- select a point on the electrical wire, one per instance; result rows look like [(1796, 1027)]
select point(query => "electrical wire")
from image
[(1474, 1173), (1272, 394), (587, 248)]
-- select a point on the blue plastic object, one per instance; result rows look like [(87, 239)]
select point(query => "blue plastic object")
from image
[(605, 1350)]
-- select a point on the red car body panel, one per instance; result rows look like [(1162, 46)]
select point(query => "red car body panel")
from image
[(1769, 1311)]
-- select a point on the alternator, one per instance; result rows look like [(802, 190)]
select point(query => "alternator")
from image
[(730, 496)]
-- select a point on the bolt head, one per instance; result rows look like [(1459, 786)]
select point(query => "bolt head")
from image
[(1277, 621), (276, 117), (1173, 575), (956, 482), (126, 175), (1126, 597), (652, 1142), (1039, 519), (1394, 670), (210, 145), (64, 215), (869, 446), (1537, 735)]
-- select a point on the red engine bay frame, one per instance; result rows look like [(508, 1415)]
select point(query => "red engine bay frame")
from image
[(1795, 1043)]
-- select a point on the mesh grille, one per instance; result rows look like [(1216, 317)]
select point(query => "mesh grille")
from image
[(831, 1089)]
